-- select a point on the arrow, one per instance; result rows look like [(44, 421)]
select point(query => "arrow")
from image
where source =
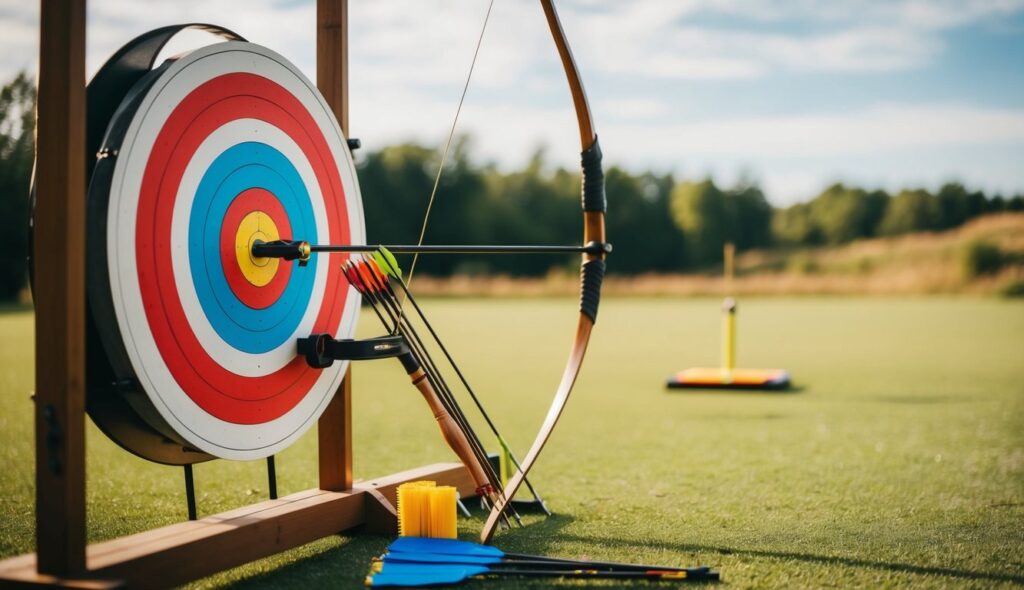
[(539, 562), (419, 574), (364, 275), (300, 250), (386, 263), (454, 551)]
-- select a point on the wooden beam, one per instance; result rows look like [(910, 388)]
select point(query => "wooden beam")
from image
[(334, 439), (59, 289), (334, 430), (332, 56), (176, 554)]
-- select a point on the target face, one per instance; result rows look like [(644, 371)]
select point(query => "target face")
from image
[(230, 144)]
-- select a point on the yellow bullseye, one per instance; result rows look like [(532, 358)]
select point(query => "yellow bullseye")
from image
[(256, 226)]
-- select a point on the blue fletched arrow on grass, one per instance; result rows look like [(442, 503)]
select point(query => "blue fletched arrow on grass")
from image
[(422, 561), (409, 575), (453, 551)]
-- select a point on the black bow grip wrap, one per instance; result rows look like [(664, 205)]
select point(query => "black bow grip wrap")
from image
[(593, 179), (594, 200)]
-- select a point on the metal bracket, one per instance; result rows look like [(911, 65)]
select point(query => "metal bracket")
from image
[(321, 350)]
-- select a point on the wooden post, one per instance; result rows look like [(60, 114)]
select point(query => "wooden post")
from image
[(334, 430), (332, 56), (59, 289), (334, 436)]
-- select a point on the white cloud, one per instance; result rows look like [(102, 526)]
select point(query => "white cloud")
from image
[(409, 61), (881, 128), (656, 39)]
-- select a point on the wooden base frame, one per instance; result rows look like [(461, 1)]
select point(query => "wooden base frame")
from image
[(182, 552), (186, 551)]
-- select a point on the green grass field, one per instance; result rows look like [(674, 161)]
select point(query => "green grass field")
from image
[(898, 461)]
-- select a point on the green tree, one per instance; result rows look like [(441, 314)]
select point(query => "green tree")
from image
[(642, 232), (749, 217), (17, 147), (842, 214), (700, 211), (956, 205), (793, 226), (532, 206), (910, 211), (1016, 203), (396, 183)]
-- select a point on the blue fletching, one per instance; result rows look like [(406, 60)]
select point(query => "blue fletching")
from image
[(422, 574), (406, 581), (403, 557), (443, 547)]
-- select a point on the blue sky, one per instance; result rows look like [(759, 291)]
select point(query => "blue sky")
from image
[(794, 94)]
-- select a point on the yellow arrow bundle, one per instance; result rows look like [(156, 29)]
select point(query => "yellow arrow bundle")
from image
[(426, 509)]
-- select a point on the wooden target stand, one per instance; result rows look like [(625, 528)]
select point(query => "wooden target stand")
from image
[(186, 551)]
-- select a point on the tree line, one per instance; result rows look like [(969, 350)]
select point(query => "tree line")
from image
[(657, 223)]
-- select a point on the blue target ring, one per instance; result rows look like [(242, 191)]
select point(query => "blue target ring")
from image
[(239, 168)]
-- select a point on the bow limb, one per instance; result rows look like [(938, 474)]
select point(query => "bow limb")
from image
[(591, 272)]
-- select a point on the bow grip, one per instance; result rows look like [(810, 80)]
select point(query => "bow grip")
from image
[(593, 179), (591, 277)]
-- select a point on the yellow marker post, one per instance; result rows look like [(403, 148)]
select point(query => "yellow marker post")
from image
[(728, 337), (728, 316), (726, 375)]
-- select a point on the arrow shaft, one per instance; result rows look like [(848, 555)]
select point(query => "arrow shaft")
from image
[(456, 428), (297, 249), (454, 249)]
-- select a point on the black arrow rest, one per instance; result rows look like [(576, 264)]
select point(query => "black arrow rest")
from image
[(321, 350)]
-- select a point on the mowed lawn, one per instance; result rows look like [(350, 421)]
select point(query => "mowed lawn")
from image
[(897, 461)]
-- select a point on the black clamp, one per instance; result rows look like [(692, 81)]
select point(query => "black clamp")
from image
[(321, 350), (597, 248)]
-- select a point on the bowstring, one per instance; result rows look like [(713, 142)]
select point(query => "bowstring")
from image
[(448, 143)]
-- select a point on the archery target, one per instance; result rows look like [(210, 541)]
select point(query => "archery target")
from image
[(228, 145)]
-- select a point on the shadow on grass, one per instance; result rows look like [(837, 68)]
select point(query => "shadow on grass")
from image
[(806, 557), (341, 566)]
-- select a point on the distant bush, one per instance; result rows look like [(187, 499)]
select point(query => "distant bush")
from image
[(981, 258), (911, 211), (802, 263), (1014, 289)]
